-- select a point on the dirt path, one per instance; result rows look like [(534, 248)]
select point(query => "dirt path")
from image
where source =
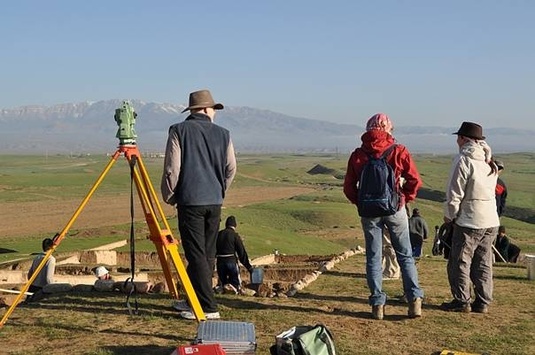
[(30, 218)]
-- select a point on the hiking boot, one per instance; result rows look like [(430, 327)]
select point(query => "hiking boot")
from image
[(415, 308), (230, 289), (479, 307), (456, 306), (181, 305), (191, 316), (378, 312)]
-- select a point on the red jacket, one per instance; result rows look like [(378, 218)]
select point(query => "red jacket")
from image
[(375, 143)]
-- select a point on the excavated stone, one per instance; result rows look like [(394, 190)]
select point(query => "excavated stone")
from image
[(106, 285), (57, 288)]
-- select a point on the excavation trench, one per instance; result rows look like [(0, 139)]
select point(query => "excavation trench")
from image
[(281, 273)]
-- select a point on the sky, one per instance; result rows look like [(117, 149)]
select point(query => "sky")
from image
[(424, 63)]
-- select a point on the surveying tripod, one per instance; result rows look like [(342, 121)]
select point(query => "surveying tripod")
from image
[(161, 236)]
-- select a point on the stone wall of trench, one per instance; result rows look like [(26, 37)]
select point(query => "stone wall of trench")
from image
[(284, 275)]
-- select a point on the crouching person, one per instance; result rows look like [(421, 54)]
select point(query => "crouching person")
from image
[(230, 249)]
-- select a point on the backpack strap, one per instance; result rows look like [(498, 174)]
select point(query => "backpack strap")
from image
[(388, 150), (327, 337)]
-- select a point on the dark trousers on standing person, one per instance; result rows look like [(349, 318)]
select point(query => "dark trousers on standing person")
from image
[(198, 226)]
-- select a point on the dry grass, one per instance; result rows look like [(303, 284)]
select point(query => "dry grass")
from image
[(100, 323)]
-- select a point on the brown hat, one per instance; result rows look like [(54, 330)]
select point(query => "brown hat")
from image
[(202, 99), (470, 130)]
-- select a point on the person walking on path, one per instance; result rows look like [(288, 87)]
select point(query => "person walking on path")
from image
[(230, 250), (419, 231), (471, 206), (376, 141), (199, 167)]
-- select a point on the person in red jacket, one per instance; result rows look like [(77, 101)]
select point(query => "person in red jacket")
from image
[(501, 190), (377, 139)]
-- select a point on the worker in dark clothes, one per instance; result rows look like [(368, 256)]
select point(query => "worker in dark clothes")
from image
[(230, 249)]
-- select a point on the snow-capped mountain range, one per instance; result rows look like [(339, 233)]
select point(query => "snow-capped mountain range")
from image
[(89, 127)]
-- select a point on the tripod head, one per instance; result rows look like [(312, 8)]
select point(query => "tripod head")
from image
[(125, 116)]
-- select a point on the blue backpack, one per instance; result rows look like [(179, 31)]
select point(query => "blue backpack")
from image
[(378, 194)]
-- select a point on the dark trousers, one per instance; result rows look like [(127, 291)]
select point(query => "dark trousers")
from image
[(198, 226), (37, 294), (229, 273)]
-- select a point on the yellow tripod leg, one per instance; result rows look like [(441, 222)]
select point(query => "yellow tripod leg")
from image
[(166, 245), (58, 238)]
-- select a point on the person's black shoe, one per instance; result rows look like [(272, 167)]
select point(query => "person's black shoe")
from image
[(456, 306), (479, 307)]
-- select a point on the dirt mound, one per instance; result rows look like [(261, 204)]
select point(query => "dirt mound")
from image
[(320, 169)]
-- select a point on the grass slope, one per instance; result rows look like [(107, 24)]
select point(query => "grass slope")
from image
[(318, 222)]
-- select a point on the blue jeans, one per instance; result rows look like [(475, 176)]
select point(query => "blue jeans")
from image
[(398, 226)]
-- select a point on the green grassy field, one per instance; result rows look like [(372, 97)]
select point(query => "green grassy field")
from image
[(290, 225), (320, 221)]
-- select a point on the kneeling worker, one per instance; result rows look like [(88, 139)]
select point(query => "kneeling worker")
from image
[(230, 249)]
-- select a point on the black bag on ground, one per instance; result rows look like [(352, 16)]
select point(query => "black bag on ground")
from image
[(304, 340), (378, 194), (443, 240)]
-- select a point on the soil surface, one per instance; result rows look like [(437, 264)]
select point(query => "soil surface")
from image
[(39, 217)]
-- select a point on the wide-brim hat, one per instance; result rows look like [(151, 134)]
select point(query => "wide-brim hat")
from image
[(470, 130), (202, 99)]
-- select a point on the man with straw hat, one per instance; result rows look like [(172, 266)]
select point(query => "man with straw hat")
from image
[(199, 167)]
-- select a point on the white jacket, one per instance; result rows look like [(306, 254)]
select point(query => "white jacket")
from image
[(470, 192)]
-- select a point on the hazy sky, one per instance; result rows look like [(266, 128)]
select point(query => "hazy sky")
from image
[(422, 62)]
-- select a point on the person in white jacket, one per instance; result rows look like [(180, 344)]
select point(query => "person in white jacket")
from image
[(471, 207)]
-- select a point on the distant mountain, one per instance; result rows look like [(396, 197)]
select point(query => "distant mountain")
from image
[(89, 127)]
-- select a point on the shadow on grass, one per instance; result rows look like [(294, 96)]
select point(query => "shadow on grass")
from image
[(335, 298), (91, 330), (5, 251), (353, 275), (510, 277), (249, 305), (108, 303)]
